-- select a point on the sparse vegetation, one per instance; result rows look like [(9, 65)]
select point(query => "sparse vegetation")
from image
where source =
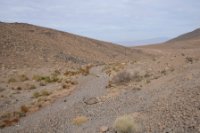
[(45, 93), (42, 93), (46, 79), (113, 68), (42, 83), (189, 60), (70, 82), (82, 70), (23, 78), (24, 109), (8, 122), (164, 72), (36, 95), (126, 76), (125, 124), (30, 86), (11, 80), (79, 120)]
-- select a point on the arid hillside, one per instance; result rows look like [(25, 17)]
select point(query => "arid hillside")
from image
[(25, 45), (193, 35), (189, 40), (110, 89)]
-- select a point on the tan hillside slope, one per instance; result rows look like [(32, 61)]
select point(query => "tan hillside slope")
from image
[(193, 35), (24, 45), (189, 40)]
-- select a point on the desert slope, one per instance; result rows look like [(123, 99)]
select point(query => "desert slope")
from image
[(186, 41), (188, 36), (24, 45)]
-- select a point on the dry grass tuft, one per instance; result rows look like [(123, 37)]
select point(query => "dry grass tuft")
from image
[(85, 70), (46, 79), (40, 94), (113, 68), (79, 120), (125, 124), (8, 122), (24, 109)]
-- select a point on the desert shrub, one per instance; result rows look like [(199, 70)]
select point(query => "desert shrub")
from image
[(79, 120), (64, 86), (23, 77), (18, 88), (45, 93), (56, 72), (36, 95), (37, 78), (30, 86), (42, 83), (85, 70), (24, 109), (42, 93), (147, 75), (82, 70), (10, 80), (20, 114), (46, 79), (125, 76), (8, 122), (125, 124), (189, 60), (54, 78), (164, 72), (113, 68), (70, 73)]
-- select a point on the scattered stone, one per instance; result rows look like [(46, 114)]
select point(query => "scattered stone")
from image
[(104, 129), (91, 101), (65, 100)]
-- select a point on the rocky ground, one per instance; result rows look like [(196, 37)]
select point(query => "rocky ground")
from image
[(164, 98), (56, 82)]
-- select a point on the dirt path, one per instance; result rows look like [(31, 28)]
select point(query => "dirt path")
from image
[(57, 116)]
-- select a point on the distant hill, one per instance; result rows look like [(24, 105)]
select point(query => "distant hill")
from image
[(188, 36), (145, 41), (28, 45), (185, 41)]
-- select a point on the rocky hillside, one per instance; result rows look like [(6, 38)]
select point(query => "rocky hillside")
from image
[(25, 45)]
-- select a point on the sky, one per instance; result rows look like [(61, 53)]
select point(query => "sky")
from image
[(119, 21)]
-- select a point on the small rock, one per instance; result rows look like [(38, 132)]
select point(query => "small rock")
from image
[(65, 100), (104, 129), (91, 101)]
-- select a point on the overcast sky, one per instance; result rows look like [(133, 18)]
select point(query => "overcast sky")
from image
[(110, 20)]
